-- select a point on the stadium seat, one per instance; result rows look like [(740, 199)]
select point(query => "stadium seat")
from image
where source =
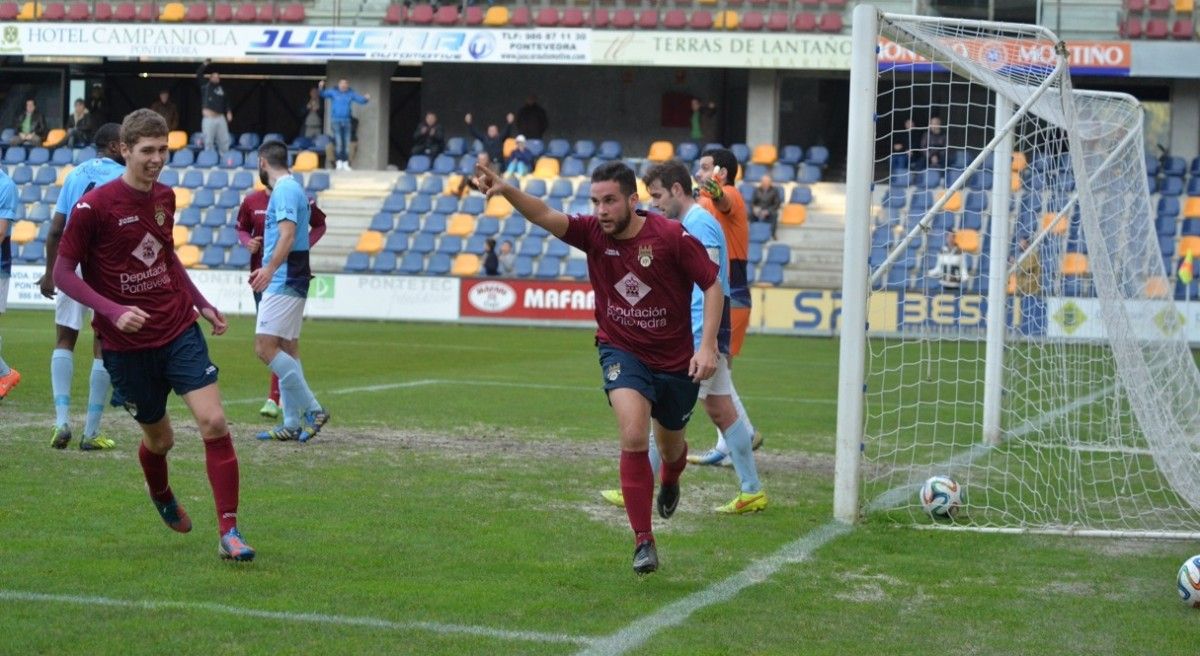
[(460, 225), (15, 155), (183, 197), (181, 159), (809, 174), (9, 11), (793, 214), (498, 207), (370, 242), (764, 154), (727, 20), (519, 17), (30, 11), (179, 234), (201, 236), (189, 217), (465, 264), (446, 16), (385, 262), (438, 265), (215, 217), (217, 180), (779, 254), (1074, 264), (672, 19), (805, 21), (197, 12), (1189, 244), (445, 204), (226, 237), (397, 242), (759, 232), (417, 164), (24, 232), (381, 222), (239, 257), (292, 13), (396, 14), (147, 12), (622, 19), (770, 275), (411, 263), (207, 159), (660, 151), (573, 17), (423, 243), (830, 22), (172, 12), (968, 240), (189, 255), (123, 12), (306, 161), (1184, 29), (496, 16), (37, 156), (450, 245), (572, 167), (245, 13), (55, 138), (535, 186), (546, 17), (434, 224), (444, 165), (547, 168)]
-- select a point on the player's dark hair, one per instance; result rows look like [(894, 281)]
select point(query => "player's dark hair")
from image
[(106, 136), (275, 152), (724, 158), (669, 174), (619, 172), (142, 123)]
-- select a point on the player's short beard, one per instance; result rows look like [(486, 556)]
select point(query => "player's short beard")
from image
[(266, 179), (619, 225)]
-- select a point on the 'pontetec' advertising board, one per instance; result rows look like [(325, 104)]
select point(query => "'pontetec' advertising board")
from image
[(541, 300)]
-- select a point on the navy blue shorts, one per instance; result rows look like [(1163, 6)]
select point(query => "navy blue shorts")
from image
[(672, 396), (146, 378)]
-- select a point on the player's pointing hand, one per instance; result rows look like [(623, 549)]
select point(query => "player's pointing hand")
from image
[(488, 181), (133, 320)]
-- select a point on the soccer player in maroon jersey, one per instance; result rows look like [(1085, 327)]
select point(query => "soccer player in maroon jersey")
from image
[(145, 309), (250, 219), (642, 267)]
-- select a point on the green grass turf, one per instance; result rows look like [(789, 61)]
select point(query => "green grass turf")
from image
[(462, 503)]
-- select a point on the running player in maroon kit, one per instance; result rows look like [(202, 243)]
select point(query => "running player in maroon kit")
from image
[(251, 216), (145, 317), (642, 267)]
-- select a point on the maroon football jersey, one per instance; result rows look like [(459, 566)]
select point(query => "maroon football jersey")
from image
[(643, 287), (122, 239), (253, 213)]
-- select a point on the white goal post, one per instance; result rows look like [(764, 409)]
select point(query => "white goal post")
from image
[(1009, 314)]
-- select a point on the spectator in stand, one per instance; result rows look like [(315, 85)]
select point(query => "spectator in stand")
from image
[(1028, 278), (167, 109), (30, 126), (430, 137), (508, 259), (96, 104), (468, 181), (531, 118), (904, 139), (765, 203), (493, 139), (313, 121), (520, 162), (704, 121), (491, 263), (340, 115), (934, 144), (80, 126), (214, 106), (950, 268)]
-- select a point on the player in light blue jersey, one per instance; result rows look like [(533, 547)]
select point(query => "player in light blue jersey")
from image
[(9, 377), (283, 281), (69, 314), (670, 188)]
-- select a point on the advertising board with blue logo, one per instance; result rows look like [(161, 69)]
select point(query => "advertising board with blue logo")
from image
[(296, 43)]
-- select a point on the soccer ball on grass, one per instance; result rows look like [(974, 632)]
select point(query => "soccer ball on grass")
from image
[(941, 497), (1189, 582)]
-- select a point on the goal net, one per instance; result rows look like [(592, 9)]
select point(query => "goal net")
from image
[(1009, 312)]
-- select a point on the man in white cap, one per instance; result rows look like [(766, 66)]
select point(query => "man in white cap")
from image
[(520, 161)]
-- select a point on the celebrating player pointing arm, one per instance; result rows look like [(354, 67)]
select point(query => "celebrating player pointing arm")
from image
[(642, 267)]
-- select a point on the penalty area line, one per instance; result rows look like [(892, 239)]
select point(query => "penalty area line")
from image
[(296, 618)]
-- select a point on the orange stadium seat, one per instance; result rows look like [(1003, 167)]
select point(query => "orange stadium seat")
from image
[(30, 11), (62, 174), (954, 203), (1060, 228), (1019, 162), (306, 161), (643, 193), (496, 16), (370, 242), (1189, 244), (1012, 284), (177, 139), (189, 255), (510, 144), (180, 234), (1158, 287), (1074, 264), (465, 264), (54, 138), (546, 167), (1191, 207), (461, 225), (172, 12), (499, 207), (661, 151), (452, 182), (967, 240), (728, 20), (765, 154), (24, 232), (1184, 6), (183, 198), (793, 214)]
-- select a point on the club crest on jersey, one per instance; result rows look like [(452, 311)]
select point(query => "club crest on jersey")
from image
[(645, 255), (160, 215), (613, 372)]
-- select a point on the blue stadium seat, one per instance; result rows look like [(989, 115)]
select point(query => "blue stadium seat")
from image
[(38, 156), (572, 167), (759, 232), (33, 252), (423, 243), (753, 173), (783, 173), (809, 174), (406, 184), (434, 224), (15, 155), (1152, 184), (417, 164), (1165, 226), (473, 205), (203, 198), (229, 199), (189, 217), (30, 194), (192, 179), (207, 159), (487, 226), (476, 244), (584, 191), (801, 194), (771, 274), (217, 180), (456, 146), (248, 141), (408, 223), (394, 203), (535, 146), (301, 142), (381, 222), (1190, 227), (1174, 167), (530, 247), (317, 181), (595, 163), (561, 188), (927, 179), (780, 254), (433, 185), (169, 177), (548, 267), (83, 154), (61, 156), (741, 151), (239, 257), (444, 165), (39, 212), (754, 254), (1171, 186), (686, 152), (50, 196), (213, 257), (215, 218), (397, 242), (1151, 165), (227, 237), (579, 206), (576, 268), (538, 231), (523, 267), (412, 263), (320, 143), (514, 226), (584, 149), (357, 262), (535, 187), (385, 262), (557, 248), (45, 175), (445, 204), (450, 245), (273, 136), (558, 148), (242, 181), (976, 201), (1193, 186), (1168, 206), (438, 265), (466, 164), (182, 158), (609, 150), (21, 175), (817, 156), (420, 204)]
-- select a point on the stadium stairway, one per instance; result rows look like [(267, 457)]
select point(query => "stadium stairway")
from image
[(817, 245), (352, 199)]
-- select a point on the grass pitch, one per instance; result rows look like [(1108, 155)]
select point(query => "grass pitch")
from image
[(451, 507)]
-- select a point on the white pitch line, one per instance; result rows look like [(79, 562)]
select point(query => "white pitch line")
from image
[(636, 634), (299, 618)]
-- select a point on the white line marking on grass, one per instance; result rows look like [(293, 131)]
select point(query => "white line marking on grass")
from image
[(300, 618), (638, 632)]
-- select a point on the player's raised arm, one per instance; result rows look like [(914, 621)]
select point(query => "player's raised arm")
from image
[(539, 213)]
